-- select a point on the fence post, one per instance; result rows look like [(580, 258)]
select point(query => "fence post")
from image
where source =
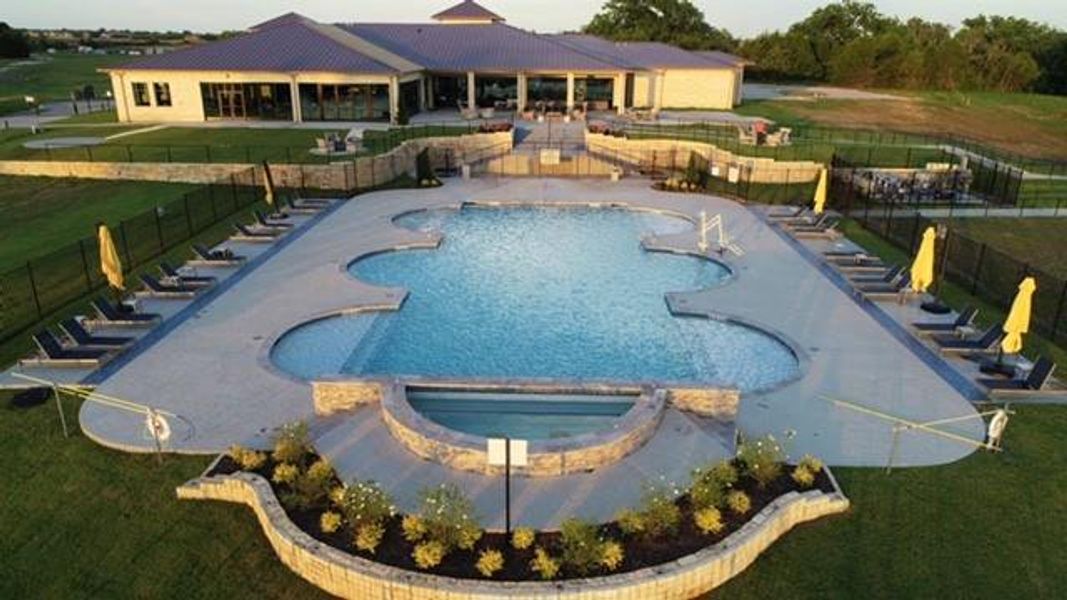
[(85, 266), (978, 269), (188, 215), (159, 229), (126, 244), (207, 152), (33, 288), (1059, 313), (914, 231)]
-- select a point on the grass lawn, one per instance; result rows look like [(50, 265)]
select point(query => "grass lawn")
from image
[(1028, 124), (52, 77), (39, 214), (1040, 242)]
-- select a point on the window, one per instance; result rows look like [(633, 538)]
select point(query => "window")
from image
[(140, 94), (162, 91)]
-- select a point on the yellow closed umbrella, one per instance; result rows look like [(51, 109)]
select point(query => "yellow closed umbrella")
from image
[(268, 185), (820, 193), (1018, 321), (922, 270), (110, 264)]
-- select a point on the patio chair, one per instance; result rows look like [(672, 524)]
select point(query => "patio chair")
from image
[(858, 264), (964, 319), (890, 275), (188, 280), (269, 222), (112, 316), (52, 353), (824, 221), (882, 291), (300, 206), (983, 343), (246, 234), (157, 289), (215, 258), (792, 214), (1033, 382), (81, 337)]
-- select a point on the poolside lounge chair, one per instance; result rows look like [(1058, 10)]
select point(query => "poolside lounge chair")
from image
[(983, 343), (269, 223), (158, 289), (799, 211), (304, 206), (81, 337), (188, 280), (889, 276), (112, 316), (1033, 382), (858, 262), (215, 258), (52, 353), (247, 234), (824, 220), (881, 291), (964, 319)]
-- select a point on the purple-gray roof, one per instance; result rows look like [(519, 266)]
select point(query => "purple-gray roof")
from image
[(724, 58), (285, 44), (467, 10), (477, 47), (638, 55)]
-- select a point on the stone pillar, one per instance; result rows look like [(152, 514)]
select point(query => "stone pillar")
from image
[(657, 91), (520, 92), (422, 94), (431, 102), (294, 95), (471, 90), (570, 91), (618, 93), (394, 99)]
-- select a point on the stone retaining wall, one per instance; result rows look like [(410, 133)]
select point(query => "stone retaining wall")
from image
[(349, 175), (666, 152), (350, 576), (719, 404), (331, 397), (527, 165)]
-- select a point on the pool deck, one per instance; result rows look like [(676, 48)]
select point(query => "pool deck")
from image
[(211, 366)]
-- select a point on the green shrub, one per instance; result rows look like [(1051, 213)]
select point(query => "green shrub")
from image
[(811, 463), (291, 443), (738, 502), (708, 520), (631, 522), (413, 527), (661, 516), (429, 554), (329, 522), (522, 538), (369, 536), (581, 545), (611, 555), (544, 565), (423, 168), (711, 484), (312, 488), (448, 516), (761, 459), (489, 562), (803, 477), (696, 172), (248, 459), (285, 473), (365, 503)]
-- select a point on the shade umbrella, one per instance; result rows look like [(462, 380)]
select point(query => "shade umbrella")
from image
[(110, 264), (820, 193), (922, 270), (1018, 321), (268, 185)]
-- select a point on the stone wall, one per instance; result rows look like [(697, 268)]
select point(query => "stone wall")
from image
[(349, 576), (719, 404), (350, 175), (667, 152), (330, 397), (530, 165)]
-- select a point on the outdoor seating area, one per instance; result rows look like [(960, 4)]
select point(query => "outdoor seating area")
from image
[(337, 143)]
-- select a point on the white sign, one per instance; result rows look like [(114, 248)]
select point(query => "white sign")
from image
[(734, 174), (550, 156), (496, 449)]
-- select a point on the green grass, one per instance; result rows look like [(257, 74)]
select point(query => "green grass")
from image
[(53, 78), (40, 214), (1040, 242), (1050, 193), (93, 118)]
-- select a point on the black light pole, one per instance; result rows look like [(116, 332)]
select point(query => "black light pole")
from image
[(507, 486)]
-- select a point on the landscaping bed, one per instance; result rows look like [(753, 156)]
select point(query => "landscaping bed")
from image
[(444, 538)]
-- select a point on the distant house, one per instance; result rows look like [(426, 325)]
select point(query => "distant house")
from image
[(294, 68)]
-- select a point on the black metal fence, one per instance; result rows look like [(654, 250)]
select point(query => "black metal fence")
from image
[(977, 267), (47, 283)]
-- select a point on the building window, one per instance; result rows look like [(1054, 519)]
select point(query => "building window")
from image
[(140, 95), (162, 91)]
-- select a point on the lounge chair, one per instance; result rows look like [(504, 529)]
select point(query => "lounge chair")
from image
[(1033, 382), (158, 289), (81, 337), (964, 319), (824, 220), (858, 262), (112, 316), (188, 280), (214, 258), (269, 223), (304, 206), (983, 343), (53, 354), (799, 212), (889, 276), (880, 291), (246, 234)]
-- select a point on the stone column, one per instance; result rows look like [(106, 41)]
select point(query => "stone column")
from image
[(618, 93), (520, 92), (394, 99), (657, 91), (570, 91), (471, 90), (294, 94), (422, 94)]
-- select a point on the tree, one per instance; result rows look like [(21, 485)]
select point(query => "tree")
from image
[(13, 43), (676, 22)]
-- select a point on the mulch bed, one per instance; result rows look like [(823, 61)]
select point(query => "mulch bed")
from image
[(639, 552)]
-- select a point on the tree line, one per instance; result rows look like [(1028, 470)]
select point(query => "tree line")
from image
[(852, 43)]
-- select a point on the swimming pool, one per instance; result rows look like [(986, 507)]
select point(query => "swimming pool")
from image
[(563, 293)]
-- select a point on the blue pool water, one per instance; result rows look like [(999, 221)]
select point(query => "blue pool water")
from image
[(538, 293), (525, 416)]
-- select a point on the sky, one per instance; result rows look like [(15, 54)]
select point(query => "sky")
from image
[(538, 15)]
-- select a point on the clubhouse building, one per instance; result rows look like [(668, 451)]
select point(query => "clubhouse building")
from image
[(295, 69)]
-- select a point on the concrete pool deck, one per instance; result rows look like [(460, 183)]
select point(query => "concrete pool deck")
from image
[(212, 368)]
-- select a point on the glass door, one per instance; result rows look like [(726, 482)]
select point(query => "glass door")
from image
[(231, 102)]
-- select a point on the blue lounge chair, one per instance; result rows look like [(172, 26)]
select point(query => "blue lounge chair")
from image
[(110, 315), (219, 258), (304, 206), (964, 319), (266, 223), (52, 353), (158, 289), (246, 234), (1033, 382), (889, 276), (81, 337), (983, 343), (875, 291), (188, 280)]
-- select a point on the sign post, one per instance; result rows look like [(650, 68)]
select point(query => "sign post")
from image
[(506, 452)]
